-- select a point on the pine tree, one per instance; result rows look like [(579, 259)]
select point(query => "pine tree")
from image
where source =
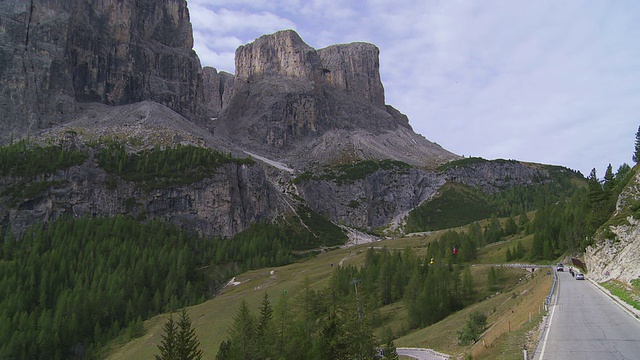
[(609, 179), (179, 341), (168, 347), (636, 153), (187, 344), (264, 329), (389, 351), (243, 333)]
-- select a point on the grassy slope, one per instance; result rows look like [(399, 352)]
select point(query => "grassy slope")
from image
[(212, 318)]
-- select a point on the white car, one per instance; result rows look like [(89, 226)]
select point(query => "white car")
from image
[(579, 276)]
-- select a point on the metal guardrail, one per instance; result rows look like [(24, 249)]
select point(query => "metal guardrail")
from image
[(553, 286), (544, 327)]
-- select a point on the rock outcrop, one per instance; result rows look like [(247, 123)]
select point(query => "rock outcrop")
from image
[(287, 96), (615, 253), (354, 69), (282, 54), (235, 197), (371, 202), (498, 175), (217, 89), (56, 54)]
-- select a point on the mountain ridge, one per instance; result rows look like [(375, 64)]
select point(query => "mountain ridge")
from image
[(113, 74)]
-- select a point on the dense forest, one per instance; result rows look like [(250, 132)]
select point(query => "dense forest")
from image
[(68, 287)]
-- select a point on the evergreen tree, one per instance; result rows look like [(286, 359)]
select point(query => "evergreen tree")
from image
[(243, 334), (492, 278), (389, 351), (636, 152), (264, 329), (609, 179), (168, 345), (622, 172), (187, 344), (510, 227)]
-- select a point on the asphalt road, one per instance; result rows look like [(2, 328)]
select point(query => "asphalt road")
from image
[(587, 324), (421, 354)]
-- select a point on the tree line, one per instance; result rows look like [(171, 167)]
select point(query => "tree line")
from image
[(160, 168), (72, 285), (25, 159)]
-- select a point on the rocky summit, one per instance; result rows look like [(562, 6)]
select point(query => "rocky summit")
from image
[(304, 106), (314, 123)]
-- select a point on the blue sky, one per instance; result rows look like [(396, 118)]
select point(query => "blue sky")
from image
[(554, 82)]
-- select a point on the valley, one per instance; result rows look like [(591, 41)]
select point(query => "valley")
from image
[(285, 201)]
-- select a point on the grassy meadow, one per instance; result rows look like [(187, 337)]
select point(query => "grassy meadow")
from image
[(519, 294)]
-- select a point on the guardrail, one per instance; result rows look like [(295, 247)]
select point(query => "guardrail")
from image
[(543, 328), (553, 287)]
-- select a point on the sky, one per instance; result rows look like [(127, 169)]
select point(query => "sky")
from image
[(545, 81)]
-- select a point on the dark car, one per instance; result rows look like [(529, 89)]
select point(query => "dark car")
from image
[(579, 276)]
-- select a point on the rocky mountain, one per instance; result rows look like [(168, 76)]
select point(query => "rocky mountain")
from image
[(616, 249), (79, 74), (55, 55), (307, 106)]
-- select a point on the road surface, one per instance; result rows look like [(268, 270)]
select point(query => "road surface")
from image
[(587, 324), (421, 354)]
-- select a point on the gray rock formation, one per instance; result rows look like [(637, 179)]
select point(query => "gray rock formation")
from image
[(290, 100), (497, 175), (374, 201), (217, 89), (56, 54), (354, 69), (282, 54), (615, 253), (236, 197)]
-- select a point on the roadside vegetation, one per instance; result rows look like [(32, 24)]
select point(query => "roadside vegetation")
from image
[(627, 293)]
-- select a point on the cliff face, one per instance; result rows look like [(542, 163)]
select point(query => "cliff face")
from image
[(217, 89), (56, 54), (282, 54), (615, 253), (225, 204), (373, 201), (354, 69), (287, 96), (494, 176)]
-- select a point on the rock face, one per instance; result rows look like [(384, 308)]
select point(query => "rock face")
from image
[(282, 54), (494, 176), (55, 54), (354, 69), (287, 96), (223, 205), (374, 201), (217, 89), (615, 254)]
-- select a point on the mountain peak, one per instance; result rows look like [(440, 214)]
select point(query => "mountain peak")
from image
[(279, 54)]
